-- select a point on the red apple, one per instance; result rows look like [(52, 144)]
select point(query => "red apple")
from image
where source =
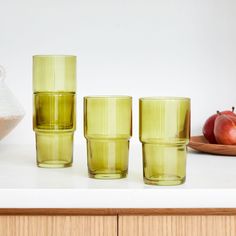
[(225, 129), (208, 128)]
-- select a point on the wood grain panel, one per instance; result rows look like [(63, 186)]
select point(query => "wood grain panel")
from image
[(177, 225), (58, 225), (117, 211)]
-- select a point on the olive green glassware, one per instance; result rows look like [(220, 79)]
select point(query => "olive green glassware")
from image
[(54, 86), (164, 130), (107, 129)]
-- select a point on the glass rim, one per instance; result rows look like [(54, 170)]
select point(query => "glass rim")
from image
[(108, 97), (53, 56), (164, 98)]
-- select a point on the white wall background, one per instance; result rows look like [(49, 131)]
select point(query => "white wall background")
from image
[(133, 47)]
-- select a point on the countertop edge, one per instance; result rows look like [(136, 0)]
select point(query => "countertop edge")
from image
[(118, 198)]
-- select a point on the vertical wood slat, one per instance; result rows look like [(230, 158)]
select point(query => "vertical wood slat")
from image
[(177, 225), (58, 226)]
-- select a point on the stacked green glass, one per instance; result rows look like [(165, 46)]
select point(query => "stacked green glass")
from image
[(54, 114), (107, 129), (164, 130)]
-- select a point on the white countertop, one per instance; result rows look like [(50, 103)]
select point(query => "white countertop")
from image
[(211, 182)]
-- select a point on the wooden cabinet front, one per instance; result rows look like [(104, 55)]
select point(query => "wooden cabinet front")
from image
[(58, 225), (177, 225), (118, 222)]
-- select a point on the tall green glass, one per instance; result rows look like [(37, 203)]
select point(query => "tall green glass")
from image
[(164, 130), (107, 129), (54, 114)]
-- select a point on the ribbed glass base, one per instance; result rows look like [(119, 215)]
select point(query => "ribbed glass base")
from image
[(164, 180), (54, 164), (104, 175), (107, 159), (54, 150), (164, 164)]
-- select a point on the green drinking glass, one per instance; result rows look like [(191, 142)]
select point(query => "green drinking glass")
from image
[(164, 130), (107, 129), (54, 114)]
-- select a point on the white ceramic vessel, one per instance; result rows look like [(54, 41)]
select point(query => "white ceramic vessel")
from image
[(11, 112)]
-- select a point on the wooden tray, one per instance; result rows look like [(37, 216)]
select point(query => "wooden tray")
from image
[(200, 144)]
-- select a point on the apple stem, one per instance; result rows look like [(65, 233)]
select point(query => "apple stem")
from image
[(233, 109), (218, 112)]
